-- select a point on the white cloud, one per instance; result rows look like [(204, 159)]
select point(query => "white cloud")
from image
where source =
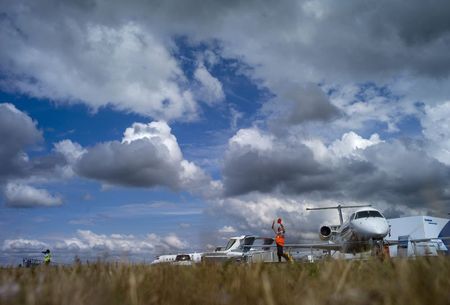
[(72, 152), (147, 156), (20, 195), (227, 230), (210, 89), (350, 145), (88, 241), (251, 138), (436, 129), (20, 244), (352, 142), (124, 66), (120, 54), (158, 132), (175, 242), (351, 168)]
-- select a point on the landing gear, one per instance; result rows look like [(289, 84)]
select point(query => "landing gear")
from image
[(379, 250)]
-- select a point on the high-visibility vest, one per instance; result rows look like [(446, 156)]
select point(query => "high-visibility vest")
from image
[(47, 258), (279, 240)]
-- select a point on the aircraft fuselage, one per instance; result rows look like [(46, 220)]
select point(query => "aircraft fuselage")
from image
[(358, 233)]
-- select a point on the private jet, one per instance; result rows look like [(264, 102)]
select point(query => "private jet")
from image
[(179, 259), (364, 230), (245, 248)]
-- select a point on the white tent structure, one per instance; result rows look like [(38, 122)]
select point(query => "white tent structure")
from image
[(405, 229)]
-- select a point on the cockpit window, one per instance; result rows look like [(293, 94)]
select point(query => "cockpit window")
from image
[(365, 214), (230, 244)]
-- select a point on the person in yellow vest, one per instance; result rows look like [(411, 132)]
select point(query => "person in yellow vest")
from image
[(47, 257), (279, 240)]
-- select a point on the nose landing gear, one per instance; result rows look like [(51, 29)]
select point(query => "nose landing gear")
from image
[(379, 249)]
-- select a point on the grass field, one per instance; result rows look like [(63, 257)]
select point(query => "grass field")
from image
[(421, 281)]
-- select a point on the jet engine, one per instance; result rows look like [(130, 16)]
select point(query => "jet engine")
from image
[(325, 233)]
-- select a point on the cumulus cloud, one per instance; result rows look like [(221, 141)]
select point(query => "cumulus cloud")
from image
[(121, 65), (111, 53), (350, 169), (88, 241), (227, 230), (18, 132), (256, 161), (147, 156), (25, 196), (300, 103), (210, 88), (436, 129), (90, 245), (20, 245), (71, 153), (352, 142), (175, 242), (396, 177)]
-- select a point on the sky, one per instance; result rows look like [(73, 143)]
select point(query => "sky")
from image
[(132, 129)]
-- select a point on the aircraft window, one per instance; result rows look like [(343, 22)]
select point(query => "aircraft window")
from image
[(230, 244), (352, 216), (365, 214)]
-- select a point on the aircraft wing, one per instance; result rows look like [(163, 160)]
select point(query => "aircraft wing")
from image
[(419, 240), (317, 246)]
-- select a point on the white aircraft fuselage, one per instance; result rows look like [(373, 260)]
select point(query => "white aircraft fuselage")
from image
[(359, 232)]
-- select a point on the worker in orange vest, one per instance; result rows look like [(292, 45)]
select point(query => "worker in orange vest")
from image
[(279, 240)]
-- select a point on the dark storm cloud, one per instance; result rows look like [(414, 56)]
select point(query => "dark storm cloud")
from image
[(417, 23), (254, 170), (389, 173), (405, 176), (17, 132), (301, 103), (140, 163)]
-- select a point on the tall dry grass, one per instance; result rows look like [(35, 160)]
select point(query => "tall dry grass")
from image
[(421, 281)]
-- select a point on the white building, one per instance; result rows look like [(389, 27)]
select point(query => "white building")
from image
[(405, 229)]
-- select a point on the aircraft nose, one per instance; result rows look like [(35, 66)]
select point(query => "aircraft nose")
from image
[(380, 229), (373, 229)]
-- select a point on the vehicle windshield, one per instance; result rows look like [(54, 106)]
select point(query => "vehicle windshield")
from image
[(183, 257), (248, 241), (365, 214), (230, 244)]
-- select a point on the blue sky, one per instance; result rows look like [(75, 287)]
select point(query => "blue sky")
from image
[(138, 129)]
